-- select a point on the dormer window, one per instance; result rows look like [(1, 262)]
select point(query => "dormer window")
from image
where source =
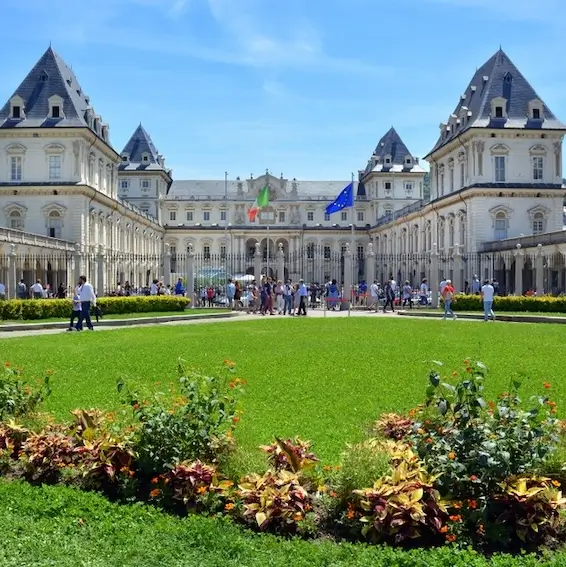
[(145, 158), (499, 107), (17, 108), (16, 111), (55, 107), (125, 158), (387, 160), (536, 110)]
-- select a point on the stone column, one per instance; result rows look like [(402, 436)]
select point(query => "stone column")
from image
[(370, 264), (457, 259), (281, 263), (12, 282), (433, 279), (100, 266), (519, 265), (347, 278), (257, 263), (167, 265), (78, 259), (539, 267), (190, 271)]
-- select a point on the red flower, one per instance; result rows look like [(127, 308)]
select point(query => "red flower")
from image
[(472, 504), (473, 478), (547, 385), (451, 538)]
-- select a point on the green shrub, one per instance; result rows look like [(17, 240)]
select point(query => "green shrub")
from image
[(197, 425), (35, 309), (545, 304), (18, 397)]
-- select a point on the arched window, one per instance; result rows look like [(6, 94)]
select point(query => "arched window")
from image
[(54, 224), (451, 232), (16, 220), (500, 226), (310, 251), (538, 223), (206, 251)]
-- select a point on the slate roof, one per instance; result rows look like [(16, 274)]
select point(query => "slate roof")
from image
[(306, 190), (139, 144), (497, 77), (52, 76), (391, 145)]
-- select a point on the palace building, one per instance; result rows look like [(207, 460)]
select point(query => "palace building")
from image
[(71, 203)]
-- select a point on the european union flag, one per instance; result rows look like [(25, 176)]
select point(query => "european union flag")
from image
[(343, 201)]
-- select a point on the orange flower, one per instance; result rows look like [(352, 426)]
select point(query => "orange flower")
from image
[(232, 385), (443, 529), (451, 455), (429, 440), (472, 504), (333, 494), (467, 362), (420, 431), (547, 385), (326, 468), (481, 530), (201, 489), (468, 369), (555, 483), (473, 478), (491, 404), (456, 518), (155, 480), (235, 419), (136, 406), (553, 410), (457, 505), (7, 364), (229, 506), (455, 373), (298, 517), (451, 538), (155, 493), (351, 515)]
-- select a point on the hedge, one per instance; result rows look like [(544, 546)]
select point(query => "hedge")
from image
[(545, 304), (29, 309)]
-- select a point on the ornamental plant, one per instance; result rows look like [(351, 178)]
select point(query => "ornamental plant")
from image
[(402, 506), (393, 426), (293, 455), (275, 502), (197, 425), (18, 397)]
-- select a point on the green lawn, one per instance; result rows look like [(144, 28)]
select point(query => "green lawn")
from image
[(323, 379), (55, 526), (188, 312)]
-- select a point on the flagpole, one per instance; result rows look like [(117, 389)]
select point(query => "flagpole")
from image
[(267, 269), (226, 228), (352, 238)]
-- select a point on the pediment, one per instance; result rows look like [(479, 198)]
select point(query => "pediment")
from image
[(538, 209), (54, 148), (16, 149), (499, 149), (500, 209), (49, 208), (11, 207), (538, 149)]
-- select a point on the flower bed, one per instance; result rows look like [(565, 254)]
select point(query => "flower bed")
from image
[(545, 304), (32, 309), (458, 470)]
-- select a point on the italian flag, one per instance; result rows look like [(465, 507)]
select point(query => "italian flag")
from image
[(262, 200)]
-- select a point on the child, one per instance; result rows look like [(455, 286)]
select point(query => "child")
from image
[(76, 311)]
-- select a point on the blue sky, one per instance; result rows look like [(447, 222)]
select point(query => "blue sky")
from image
[(300, 87)]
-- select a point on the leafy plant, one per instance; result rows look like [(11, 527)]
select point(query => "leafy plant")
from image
[(198, 425), (275, 502), (17, 396), (291, 455), (393, 426), (529, 508), (401, 506), (473, 445), (196, 487)]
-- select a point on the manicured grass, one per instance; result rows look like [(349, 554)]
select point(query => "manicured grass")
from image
[(198, 311), (480, 313), (323, 379), (46, 526)]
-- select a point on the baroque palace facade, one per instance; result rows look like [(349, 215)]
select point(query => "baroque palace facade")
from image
[(70, 203)]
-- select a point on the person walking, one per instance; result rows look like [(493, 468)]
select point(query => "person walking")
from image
[(303, 295), (36, 290), (487, 293), (408, 294), (389, 296), (448, 296), (87, 298)]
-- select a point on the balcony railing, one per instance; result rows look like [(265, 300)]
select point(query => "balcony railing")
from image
[(14, 236), (531, 241)]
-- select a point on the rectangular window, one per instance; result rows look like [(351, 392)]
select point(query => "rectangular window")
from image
[(281, 216), (16, 168), (360, 251), (172, 215), (462, 175), (538, 226), (451, 179), (146, 183), (206, 252), (55, 112), (190, 216), (343, 216), (500, 169), (54, 167), (388, 186), (537, 169), (326, 217), (206, 216), (498, 112), (16, 112), (360, 216), (409, 188), (222, 215), (327, 252), (442, 183), (223, 251), (310, 216), (536, 113), (124, 184)]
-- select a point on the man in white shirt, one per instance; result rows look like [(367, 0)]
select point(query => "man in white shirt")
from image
[(154, 289), (303, 294), (36, 290), (374, 296), (487, 293), (87, 298)]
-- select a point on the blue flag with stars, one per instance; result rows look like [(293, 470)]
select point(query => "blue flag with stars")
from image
[(343, 201)]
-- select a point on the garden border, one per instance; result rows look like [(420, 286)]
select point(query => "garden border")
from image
[(479, 317)]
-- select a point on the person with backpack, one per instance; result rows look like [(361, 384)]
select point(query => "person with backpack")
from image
[(448, 296)]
